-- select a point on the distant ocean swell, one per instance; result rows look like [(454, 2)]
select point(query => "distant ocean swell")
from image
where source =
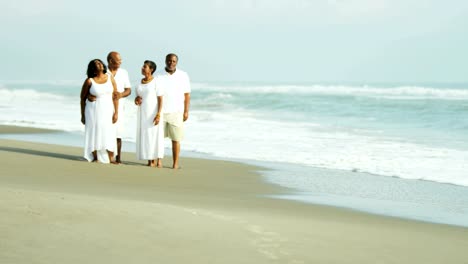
[(416, 92)]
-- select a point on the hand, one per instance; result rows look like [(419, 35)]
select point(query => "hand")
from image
[(114, 118), (138, 100), (91, 98), (156, 120), (185, 116), (116, 95), (83, 121)]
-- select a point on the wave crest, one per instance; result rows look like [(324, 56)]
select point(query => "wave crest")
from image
[(397, 92)]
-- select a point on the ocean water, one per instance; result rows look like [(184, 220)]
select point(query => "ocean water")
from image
[(317, 136)]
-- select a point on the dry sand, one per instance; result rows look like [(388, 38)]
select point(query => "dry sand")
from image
[(57, 208)]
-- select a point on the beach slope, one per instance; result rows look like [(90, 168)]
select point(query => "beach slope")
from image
[(57, 208)]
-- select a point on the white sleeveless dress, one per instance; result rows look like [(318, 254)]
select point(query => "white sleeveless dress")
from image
[(100, 133), (149, 138)]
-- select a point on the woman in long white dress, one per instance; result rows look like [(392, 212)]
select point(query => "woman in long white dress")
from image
[(100, 115), (150, 130)]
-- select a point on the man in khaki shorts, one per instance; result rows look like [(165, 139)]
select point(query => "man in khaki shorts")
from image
[(176, 85)]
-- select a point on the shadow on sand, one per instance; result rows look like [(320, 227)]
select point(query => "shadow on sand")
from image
[(42, 153), (57, 155)]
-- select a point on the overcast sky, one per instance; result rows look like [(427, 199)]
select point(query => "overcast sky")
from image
[(289, 41)]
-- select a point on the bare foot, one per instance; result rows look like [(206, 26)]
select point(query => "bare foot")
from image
[(114, 162)]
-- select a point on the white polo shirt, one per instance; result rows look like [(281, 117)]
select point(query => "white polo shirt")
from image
[(175, 86)]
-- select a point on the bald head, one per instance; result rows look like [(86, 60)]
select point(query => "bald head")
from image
[(112, 55), (114, 60)]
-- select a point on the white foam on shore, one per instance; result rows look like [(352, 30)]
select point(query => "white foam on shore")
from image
[(390, 196), (316, 146)]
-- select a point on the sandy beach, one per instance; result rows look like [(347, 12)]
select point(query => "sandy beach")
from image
[(57, 208)]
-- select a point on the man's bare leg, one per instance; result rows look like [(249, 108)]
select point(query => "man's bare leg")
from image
[(175, 154), (119, 148), (111, 157)]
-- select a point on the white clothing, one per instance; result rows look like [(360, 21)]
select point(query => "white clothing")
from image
[(149, 138), (99, 130), (122, 81), (175, 86)]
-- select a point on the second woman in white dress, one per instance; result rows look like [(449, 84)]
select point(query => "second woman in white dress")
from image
[(150, 130)]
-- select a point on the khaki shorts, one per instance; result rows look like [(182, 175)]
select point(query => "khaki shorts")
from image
[(174, 126)]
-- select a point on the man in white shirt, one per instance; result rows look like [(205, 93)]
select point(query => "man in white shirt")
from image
[(124, 89), (176, 84)]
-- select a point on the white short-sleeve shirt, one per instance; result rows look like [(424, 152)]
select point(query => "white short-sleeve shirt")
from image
[(122, 80), (174, 86)]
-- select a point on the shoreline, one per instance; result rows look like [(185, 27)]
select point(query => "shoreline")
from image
[(330, 193), (60, 208)]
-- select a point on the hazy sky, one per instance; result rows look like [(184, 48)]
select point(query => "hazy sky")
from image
[(241, 40)]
